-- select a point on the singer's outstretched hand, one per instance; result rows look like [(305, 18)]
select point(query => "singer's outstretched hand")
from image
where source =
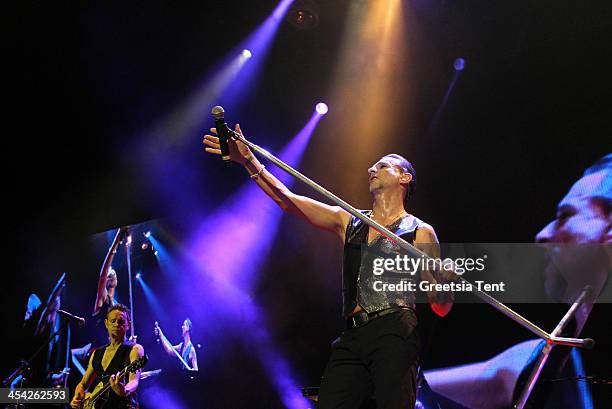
[(329, 218), (239, 152)]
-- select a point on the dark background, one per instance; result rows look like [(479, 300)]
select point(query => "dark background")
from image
[(85, 79)]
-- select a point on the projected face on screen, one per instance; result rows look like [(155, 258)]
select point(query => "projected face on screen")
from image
[(582, 215), (583, 218), (186, 327)]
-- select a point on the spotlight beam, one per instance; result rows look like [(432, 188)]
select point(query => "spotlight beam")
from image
[(373, 62), (151, 298), (234, 270), (161, 143), (459, 65)]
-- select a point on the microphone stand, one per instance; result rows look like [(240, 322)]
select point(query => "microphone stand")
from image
[(507, 311), (68, 353), (25, 364), (545, 352), (185, 364), (129, 268)]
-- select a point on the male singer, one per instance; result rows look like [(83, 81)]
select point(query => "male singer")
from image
[(583, 218), (378, 352), (185, 349)]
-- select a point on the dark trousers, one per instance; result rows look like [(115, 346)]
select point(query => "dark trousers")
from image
[(379, 358)]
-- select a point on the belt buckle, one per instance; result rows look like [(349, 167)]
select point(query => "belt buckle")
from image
[(360, 322)]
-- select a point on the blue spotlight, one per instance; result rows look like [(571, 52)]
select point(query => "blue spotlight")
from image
[(163, 255), (152, 299), (459, 64), (147, 234), (235, 274), (246, 54), (322, 108), (138, 275)]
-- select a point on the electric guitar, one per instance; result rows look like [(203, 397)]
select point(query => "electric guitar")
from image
[(99, 396)]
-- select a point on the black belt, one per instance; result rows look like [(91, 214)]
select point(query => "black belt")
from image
[(363, 317)]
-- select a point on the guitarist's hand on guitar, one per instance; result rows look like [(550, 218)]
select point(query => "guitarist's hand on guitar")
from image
[(116, 385), (79, 394)]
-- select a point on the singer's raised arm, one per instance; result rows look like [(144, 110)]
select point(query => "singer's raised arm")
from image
[(326, 217), (102, 293)]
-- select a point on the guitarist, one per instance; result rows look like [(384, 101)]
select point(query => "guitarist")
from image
[(106, 363), (185, 348)]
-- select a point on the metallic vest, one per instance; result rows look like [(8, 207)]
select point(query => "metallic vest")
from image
[(357, 277)]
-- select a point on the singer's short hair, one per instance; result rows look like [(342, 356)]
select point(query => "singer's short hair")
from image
[(189, 323), (603, 190), (604, 163), (408, 168), (122, 308)]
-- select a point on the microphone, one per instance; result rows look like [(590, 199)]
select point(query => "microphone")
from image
[(222, 130), (71, 317)]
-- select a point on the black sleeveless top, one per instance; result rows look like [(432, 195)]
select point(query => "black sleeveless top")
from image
[(357, 277), (120, 360)]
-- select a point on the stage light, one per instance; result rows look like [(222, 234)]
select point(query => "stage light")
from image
[(155, 252), (322, 108), (304, 14), (138, 275), (144, 246), (459, 64), (147, 234), (129, 240), (246, 54), (373, 60)]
